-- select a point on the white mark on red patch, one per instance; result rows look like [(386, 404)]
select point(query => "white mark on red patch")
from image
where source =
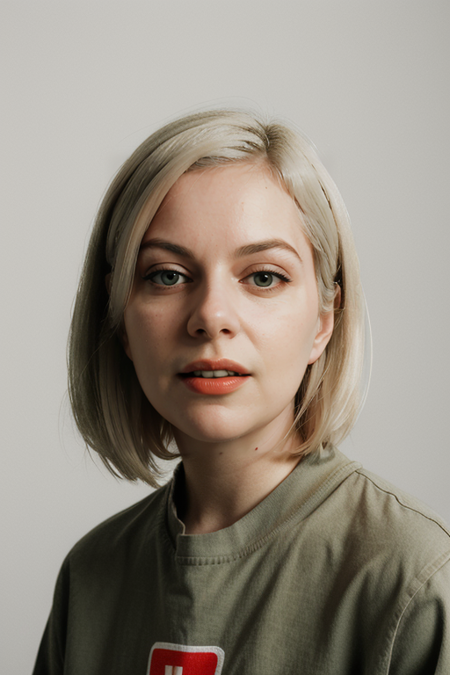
[(170, 659)]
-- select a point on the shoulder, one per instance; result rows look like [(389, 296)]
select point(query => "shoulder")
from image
[(122, 534), (392, 536), (411, 566), (390, 568), (418, 635), (381, 534), (397, 513), (378, 513)]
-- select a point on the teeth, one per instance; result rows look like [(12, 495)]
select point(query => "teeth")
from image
[(214, 373)]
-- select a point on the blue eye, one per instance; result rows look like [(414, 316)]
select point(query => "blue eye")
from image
[(166, 278)]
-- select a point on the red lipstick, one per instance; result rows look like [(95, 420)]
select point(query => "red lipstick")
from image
[(214, 385), (219, 364)]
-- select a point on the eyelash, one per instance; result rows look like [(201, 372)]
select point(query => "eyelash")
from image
[(282, 277), (278, 275)]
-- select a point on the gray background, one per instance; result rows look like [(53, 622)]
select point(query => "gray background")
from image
[(83, 83)]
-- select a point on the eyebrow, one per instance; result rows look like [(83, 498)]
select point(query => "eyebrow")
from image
[(167, 246), (266, 245), (248, 249)]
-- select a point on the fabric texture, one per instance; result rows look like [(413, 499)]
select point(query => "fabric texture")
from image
[(335, 572)]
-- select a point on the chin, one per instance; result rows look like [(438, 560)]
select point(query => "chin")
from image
[(214, 428), (210, 437)]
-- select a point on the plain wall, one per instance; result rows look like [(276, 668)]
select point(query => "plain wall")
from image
[(83, 84)]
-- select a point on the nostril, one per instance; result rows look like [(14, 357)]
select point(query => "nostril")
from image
[(225, 323)]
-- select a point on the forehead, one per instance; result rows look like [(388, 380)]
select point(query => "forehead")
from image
[(235, 201)]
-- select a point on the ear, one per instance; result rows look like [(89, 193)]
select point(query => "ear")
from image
[(325, 330)]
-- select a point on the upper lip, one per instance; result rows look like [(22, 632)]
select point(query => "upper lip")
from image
[(219, 364)]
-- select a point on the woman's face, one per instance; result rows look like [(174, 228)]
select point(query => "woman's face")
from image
[(225, 283)]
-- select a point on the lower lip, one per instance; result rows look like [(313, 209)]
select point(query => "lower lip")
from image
[(214, 386)]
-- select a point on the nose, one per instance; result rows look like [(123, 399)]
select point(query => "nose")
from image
[(213, 312)]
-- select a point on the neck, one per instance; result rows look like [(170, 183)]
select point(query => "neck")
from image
[(225, 480)]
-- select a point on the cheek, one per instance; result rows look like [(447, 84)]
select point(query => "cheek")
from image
[(139, 335), (146, 331), (287, 337)]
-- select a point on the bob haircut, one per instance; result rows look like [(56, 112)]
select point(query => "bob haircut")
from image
[(110, 409)]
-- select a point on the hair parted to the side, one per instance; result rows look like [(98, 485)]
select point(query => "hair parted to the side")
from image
[(110, 409)]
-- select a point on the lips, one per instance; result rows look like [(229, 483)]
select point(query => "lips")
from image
[(219, 364), (210, 385)]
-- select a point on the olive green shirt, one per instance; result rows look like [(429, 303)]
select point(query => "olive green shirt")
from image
[(335, 572)]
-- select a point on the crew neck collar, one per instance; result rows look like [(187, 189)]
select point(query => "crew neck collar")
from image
[(308, 485)]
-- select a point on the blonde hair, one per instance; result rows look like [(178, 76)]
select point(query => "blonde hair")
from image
[(110, 409)]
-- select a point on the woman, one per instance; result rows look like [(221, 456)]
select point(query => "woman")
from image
[(219, 316)]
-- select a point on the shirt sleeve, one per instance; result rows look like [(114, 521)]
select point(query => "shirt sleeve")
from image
[(422, 642), (50, 657)]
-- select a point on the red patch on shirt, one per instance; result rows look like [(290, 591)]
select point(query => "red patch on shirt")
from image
[(169, 659)]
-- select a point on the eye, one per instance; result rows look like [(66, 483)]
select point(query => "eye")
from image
[(263, 279), (266, 279), (166, 278)]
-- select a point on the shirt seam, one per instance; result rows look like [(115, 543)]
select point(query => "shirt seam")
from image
[(426, 574), (335, 477), (361, 472)]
